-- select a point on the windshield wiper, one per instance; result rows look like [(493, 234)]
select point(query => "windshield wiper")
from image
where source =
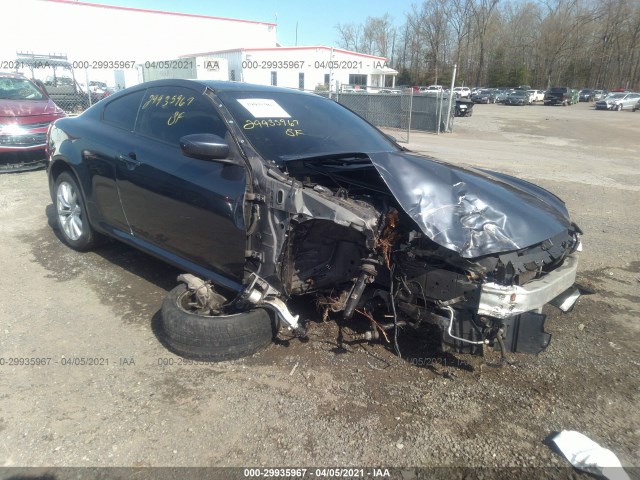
[(325, 156)]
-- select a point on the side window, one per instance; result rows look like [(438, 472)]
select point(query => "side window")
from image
[(122, 112), (168, 113)]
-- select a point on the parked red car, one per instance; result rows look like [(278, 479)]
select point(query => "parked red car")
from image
[(26, 111)]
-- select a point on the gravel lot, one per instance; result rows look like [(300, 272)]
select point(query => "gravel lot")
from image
[(316, 403)]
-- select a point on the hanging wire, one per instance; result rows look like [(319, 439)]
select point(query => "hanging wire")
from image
[(395, 315)]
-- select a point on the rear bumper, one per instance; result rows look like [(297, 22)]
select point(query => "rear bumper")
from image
[(500, 301)]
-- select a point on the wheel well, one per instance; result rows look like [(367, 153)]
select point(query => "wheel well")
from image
[(58, 167)]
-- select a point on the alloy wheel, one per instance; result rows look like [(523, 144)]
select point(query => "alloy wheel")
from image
[(69, 211)]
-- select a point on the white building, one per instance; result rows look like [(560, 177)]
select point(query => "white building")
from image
[(115, 44), (307, 67), (93, 33)]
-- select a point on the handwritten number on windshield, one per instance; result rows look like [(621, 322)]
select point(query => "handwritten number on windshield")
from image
[(270, 122)]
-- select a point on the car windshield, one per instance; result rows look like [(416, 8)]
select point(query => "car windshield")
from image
[(284, 126), (19, 89), (519, 93)]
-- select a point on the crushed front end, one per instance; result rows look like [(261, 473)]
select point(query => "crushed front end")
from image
[(496, 298), (408, 242)]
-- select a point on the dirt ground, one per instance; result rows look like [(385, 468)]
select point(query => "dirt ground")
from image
[(317, 403)]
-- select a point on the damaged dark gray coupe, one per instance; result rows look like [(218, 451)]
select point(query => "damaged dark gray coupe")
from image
[(260, 194)]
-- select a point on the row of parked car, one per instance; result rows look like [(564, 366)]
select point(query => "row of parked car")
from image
[(509, 96), (604, 100)]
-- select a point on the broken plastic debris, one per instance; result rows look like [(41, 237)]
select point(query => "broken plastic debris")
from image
[(587, 455)]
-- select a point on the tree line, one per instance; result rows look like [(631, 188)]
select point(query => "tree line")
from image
[(576, 43)]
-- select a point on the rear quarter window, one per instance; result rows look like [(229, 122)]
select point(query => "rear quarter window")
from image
[(122, 111)]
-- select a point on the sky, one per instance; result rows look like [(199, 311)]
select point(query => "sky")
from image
[(316, 19)]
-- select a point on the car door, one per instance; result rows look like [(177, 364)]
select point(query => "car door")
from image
[(113, 133), (187, 210), (631, 100)]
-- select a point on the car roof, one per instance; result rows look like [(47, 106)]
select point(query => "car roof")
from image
[(216, 86), (219, 86)]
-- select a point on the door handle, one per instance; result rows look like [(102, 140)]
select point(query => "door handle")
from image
[(129, 160)]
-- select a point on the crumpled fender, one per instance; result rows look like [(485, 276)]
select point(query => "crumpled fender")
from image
[(470, 211)]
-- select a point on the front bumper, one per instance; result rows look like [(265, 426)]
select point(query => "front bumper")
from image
[(21, 161), (504, 301)]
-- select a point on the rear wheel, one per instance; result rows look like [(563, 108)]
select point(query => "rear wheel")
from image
[(71, 214), (213, 338)]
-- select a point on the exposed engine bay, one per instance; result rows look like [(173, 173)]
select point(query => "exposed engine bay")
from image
[(334, 229)]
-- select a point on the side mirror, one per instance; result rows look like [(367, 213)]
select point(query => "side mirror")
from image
[(206, 146)]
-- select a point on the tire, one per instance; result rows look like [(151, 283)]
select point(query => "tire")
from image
[(225, 337), (619, 108), (71, 214)]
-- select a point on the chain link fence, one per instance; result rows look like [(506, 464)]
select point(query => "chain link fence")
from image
[(72, 88), (400, 111), (74, 95)]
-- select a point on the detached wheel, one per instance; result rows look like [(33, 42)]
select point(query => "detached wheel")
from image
[(71, 214), (213, 338)]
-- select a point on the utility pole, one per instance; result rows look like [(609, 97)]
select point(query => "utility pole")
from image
[(453, 83)]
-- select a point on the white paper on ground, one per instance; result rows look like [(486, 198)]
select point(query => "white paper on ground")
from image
[(585, 454)]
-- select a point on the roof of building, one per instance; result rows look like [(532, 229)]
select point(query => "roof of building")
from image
[(161, 12), (275, 49)]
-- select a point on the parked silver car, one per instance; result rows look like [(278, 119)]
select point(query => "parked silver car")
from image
[(618, 101), (502, 94)]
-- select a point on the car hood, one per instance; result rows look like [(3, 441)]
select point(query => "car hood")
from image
[(473, 212), (27, 108)]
